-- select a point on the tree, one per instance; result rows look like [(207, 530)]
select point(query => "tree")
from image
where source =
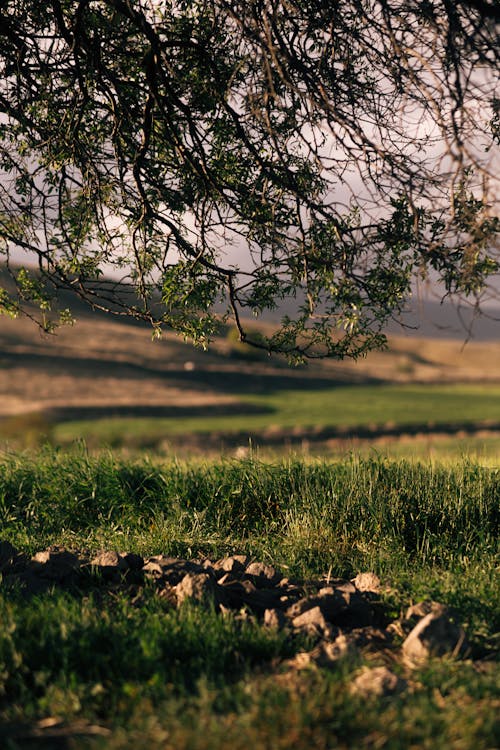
[(234, 154)]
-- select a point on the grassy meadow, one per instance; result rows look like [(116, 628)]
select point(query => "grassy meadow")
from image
[(106, 382), (337, 407), (427, 422), (120, 669), (337, 480)]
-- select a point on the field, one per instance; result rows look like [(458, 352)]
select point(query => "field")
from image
[(327, 412), (110, 663), (97, 657), (106, 382)]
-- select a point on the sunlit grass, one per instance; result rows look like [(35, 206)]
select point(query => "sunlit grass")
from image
[(190, 678), (351, 514), (342, 407)]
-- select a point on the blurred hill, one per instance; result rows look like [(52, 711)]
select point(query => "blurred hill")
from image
[(104, 365)]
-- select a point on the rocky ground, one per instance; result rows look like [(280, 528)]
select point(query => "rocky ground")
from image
[(341, 617)]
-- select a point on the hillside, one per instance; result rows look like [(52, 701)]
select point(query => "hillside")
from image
[(112, 366), (104, 366)]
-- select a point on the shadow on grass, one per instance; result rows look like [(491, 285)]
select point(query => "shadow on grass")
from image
[(230, 377), (137, 411)]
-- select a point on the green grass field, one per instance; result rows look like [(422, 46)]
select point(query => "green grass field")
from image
[(162, 678), (398, 406), (339, 407)]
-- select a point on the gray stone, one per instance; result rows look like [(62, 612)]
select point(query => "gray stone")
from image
[(344, 587), (356, 611), (325, 655), (110, 565), (328, 654), (197, 587), (275, 618), (434, 635), (302, 660), (55, 563), (263, 575), (313, 621), (28, 582), (404, 625), (341, 605), (109, 560), (302, 605), (171, 569), (235, 564), (370, 638), (421, 609), (134, 562), (332, 604), (367, 582), (244, 593), (376, 682), (240, 588)]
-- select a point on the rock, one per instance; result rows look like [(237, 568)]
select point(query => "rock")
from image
[(332, 603), (342, 605), (325, 655), (377, 681), (109, 558), (302, 660), (239, 588), (367, 582), (397, 628), (275, 618), (235, 564), (344, 587), (290, 587), (261, 599), (168, 594), (328, 654), (109, 564), (244, 592), (171, 569), (303, 605), (313, 621), (434, 635), (355, 610), (404, 625), (28, 582), (263, 575), (114, 565), (198, 587), (55, 563), (228, 579), (371, 639), (7, 553), (421, 609), (134, 562)]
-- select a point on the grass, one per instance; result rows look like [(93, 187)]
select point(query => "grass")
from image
[(484, 450), (188, 678), (339, 407), (140, 651), (405, 507)]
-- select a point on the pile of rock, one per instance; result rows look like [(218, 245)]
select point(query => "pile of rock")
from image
[(341, 616)]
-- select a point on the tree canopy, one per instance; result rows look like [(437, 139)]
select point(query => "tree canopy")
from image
[(184, 161)]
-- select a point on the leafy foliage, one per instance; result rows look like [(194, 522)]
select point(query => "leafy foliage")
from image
[(340, 149)]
